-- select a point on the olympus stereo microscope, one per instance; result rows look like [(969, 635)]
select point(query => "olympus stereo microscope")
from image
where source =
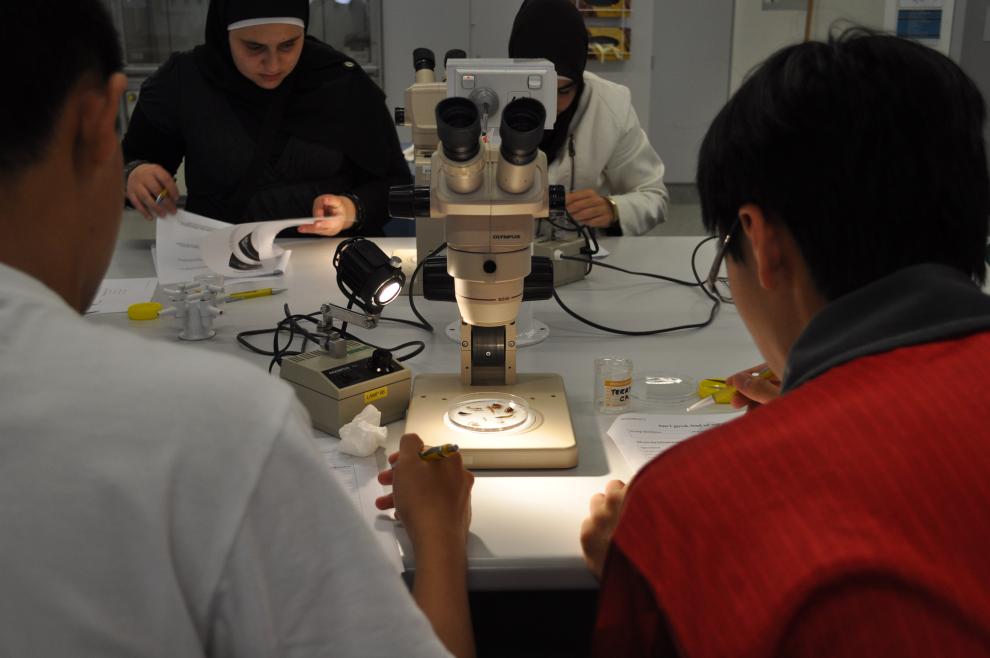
[(489, 82), (488, 190)]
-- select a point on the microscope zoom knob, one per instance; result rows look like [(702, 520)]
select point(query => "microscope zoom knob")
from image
[(409, 201), (400, 116)]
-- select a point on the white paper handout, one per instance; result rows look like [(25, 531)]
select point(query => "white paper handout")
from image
[(116, 295), (188, 245), (641, 437), (359, 478)]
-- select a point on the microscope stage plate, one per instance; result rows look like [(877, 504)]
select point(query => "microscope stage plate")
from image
[(547, 443)]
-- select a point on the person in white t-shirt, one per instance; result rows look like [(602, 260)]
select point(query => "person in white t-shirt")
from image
[(148, 507)]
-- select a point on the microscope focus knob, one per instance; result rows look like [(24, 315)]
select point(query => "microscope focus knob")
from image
[(400, 116), (409, 201)]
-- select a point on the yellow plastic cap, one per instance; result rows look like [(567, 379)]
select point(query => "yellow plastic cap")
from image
[(144, 311)]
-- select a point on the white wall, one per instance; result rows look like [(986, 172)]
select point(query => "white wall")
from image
[(692, 47), (974, 47), (490, 26), (439, 25), (758, 33)]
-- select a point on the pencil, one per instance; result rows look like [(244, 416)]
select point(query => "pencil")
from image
[(251, 294), (437, 453)]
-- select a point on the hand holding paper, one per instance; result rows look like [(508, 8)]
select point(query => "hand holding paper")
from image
[(332, 214)]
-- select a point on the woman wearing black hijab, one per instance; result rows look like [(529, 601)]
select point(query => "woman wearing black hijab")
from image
[(597, 148), (271, 124)]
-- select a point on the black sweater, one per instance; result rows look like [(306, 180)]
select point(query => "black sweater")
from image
[(180, 115)]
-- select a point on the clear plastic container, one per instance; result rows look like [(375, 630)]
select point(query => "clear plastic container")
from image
[(664, 388)]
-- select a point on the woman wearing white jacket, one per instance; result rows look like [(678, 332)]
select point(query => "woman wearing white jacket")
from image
[(596, 149)]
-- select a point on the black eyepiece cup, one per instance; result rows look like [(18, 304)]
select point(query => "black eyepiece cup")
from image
[(455, 53), (459, 128), (423, 58), (522, 130)]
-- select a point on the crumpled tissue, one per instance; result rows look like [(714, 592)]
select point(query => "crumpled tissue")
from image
[(363, 436)]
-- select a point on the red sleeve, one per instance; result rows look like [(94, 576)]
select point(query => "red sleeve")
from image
[(629, 623), (881, 618)]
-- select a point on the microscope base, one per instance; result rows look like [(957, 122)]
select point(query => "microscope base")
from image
[(547, 444)]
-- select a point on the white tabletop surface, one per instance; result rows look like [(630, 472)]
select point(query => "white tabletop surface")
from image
[(524, 533)]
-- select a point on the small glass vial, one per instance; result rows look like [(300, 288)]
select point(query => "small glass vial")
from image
[(613, 384)]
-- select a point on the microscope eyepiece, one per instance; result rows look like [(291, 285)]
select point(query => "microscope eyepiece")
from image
[(455, 53), (522, 130), (459, 128), (423, 58)]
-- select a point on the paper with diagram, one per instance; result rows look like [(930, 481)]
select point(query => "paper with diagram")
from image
[(188, 245)]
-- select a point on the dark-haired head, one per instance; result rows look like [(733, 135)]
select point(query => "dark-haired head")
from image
[(253, 43), (554, 30), (84, 48), (60, 161), (868, 148)]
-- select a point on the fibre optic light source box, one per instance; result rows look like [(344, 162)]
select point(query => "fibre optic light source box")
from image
[(564, 271), (335, 390)]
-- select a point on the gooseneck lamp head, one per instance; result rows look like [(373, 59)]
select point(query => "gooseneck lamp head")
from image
[(368, 277)]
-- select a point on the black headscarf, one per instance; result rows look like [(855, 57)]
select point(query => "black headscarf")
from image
[(554, 30), (327, 96)]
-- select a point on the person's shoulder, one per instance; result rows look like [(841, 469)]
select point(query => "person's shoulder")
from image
[(327, 66), (194, 387), (218, 375), (617, 98), (171, 71)]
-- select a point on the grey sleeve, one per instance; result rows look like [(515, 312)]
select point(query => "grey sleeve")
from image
[(305, 577)]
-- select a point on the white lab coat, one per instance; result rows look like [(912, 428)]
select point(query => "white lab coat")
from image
[(608, 151)]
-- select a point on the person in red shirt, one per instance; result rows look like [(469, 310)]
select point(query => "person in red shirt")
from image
[(850, 516)]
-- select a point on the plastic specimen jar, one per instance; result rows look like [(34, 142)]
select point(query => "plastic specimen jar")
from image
[(613, 384)]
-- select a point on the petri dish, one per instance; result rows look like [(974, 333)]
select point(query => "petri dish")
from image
[(489, 412), (664, 387)]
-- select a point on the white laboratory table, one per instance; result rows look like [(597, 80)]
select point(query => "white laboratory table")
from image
[(524, 533)]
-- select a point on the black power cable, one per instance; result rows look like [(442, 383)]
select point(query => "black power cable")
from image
[(716, 302), (424, 324), (291, 324), (595, 263), (590, 241)]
